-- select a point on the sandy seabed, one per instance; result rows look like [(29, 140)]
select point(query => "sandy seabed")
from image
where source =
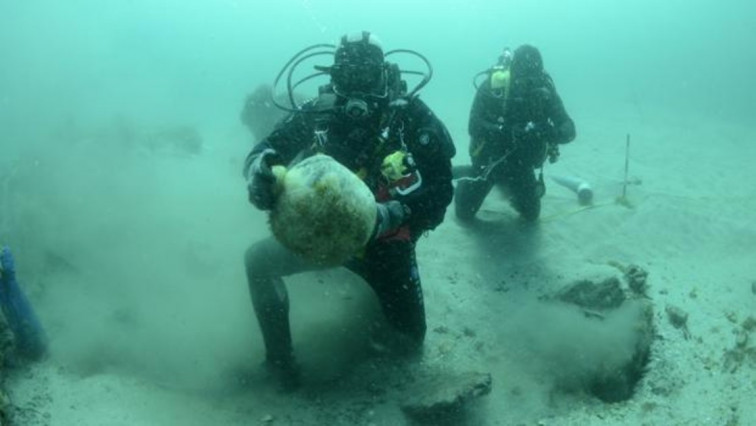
[(142, 291)]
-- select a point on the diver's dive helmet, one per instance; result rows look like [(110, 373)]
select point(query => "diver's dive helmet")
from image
[(358, 74), (362, 81), (526, 61), (358, 66), (527, 70)]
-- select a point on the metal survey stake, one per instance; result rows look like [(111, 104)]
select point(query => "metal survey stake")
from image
[(627, 165)]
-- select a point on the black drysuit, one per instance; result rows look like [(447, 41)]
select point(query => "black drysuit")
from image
[(388, 262), (512, 132)]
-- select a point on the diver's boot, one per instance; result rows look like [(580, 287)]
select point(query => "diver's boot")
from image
[(526, 198), (285, 372), (271, 305), (468, 197), (529, 209)]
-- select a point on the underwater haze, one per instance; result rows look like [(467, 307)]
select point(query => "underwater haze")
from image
[(121, 146), (194, 60)]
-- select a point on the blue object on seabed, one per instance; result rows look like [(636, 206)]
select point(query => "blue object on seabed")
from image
[(31, 342)]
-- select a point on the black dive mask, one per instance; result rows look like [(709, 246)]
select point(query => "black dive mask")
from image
[(365, 77), (362, 88), (529, 84)]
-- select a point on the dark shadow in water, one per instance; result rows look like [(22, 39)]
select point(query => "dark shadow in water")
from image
[(507, 247)]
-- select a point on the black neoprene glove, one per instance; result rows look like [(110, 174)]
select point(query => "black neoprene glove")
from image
[(261, 180), (391, 215), (565, 132), (494, 130)]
